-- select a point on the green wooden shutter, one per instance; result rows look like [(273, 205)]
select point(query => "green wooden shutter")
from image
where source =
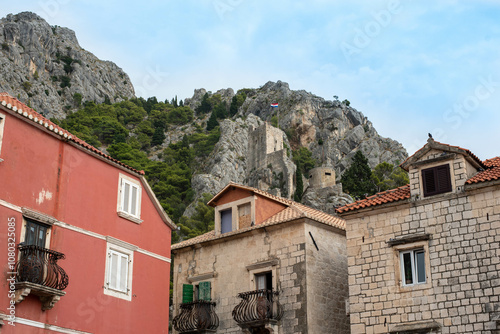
[(204, 291), (187, 293)]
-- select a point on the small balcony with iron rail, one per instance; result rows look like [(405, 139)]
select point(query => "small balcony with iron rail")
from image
[(196, 317), (38, 273), (258, 310)]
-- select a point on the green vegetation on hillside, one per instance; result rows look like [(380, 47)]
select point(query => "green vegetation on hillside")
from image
[(129, 130), (360, 181)]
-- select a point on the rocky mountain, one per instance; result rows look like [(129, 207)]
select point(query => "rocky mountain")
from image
[(331, 130), (46, 68)]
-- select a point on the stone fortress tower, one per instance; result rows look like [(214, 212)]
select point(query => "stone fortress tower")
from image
[(269, 166)]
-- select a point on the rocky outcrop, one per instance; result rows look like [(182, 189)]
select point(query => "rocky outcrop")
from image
[(228, 161), (332, 130), (45, 67)]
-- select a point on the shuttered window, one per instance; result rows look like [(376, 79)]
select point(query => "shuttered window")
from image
[(436, 180), (2, 122), (187, 293), (118, 271), (202, 291), (130, 197)]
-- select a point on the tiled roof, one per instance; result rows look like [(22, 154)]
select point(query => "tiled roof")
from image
[(491, 173), (388, 196), (293, 211), (32, 116), (431, 143), (492, 162)]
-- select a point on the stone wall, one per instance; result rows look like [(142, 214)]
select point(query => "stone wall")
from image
[(327, 285), (269, 167), (230, 266), (462, 289)]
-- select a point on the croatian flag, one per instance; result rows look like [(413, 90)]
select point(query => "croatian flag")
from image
[(274, 105)]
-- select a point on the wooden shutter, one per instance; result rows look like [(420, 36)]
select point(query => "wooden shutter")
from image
[(443, 178), (436, 180), (204, 291), (187, 293), (118, 271)]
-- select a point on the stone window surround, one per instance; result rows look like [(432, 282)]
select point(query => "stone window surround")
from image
[(234, 212), (434, 163), (260, 268), (136, 219), (397, 249), (124, 248), (38, 217)]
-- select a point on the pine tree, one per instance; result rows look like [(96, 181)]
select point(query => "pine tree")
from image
[(212, 121), (299, 188), (357, 179)]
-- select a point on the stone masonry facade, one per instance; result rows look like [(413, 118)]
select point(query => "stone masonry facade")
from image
[(305, 277), (459, 232)]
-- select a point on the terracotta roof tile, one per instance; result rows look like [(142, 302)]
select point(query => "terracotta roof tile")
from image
[(492, 162), (388, 196), (15, 105), (293, 211), (491, 173)]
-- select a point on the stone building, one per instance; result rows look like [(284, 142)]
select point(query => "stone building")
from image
[(270, 266), (269, 166), (425, 257)]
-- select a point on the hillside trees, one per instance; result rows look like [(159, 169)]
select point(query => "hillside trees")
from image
[(357, 179), (127, 130)]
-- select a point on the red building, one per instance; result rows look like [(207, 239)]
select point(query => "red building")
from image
[(84, 243)]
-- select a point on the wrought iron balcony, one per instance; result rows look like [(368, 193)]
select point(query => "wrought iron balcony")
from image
[(39, 266), (196, 317), (258, 308)]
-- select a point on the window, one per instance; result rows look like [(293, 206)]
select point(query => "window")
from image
[(436, 180), (36, 233), (118, 274), (201, 291), (264, 281), (2, 122), (129, 204), (413, 266), (226, 221)]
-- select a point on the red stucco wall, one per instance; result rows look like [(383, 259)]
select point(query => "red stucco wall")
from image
[(48, 175)]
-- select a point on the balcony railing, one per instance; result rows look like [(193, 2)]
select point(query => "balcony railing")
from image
[(39, 266), (196, 317), (258, 308)]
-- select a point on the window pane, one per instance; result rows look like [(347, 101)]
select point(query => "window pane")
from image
[(407, 269), (420, 264), (261, 282), (126, 196), (226, 221), (123, 273), (113, 271), (133, 204)]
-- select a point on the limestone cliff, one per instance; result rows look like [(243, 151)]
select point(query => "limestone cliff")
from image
[(331, 130), (45, 67)]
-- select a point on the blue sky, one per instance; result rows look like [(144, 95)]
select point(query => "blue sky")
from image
[(411, 67)]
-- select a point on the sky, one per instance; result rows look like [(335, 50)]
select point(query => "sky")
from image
[(412, 67)]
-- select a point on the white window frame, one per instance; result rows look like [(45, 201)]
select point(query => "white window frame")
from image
[(127, 213), (414, 267), (121, 249), (2, 123)]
